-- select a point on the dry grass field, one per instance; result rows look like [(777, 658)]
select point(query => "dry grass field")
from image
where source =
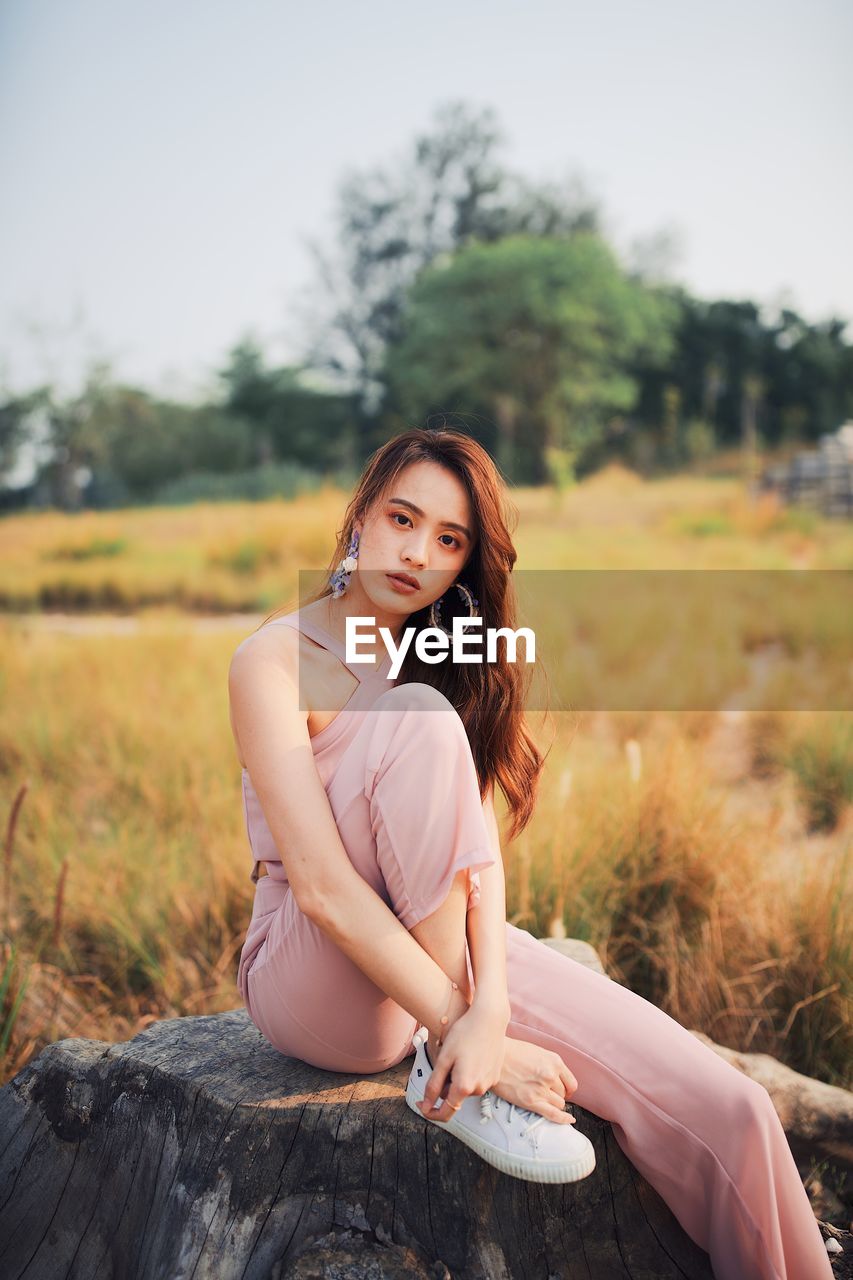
[(705, 853)]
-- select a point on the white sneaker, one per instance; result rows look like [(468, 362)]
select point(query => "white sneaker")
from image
[(515, 1140)]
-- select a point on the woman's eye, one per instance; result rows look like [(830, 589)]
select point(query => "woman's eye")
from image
[(400, 515)]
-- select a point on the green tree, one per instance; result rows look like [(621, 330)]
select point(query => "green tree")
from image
[(144, 441), (288, 420), (449, 190), (73, 442), (17, 426), (747, 377), (809, 375), (535, 334)]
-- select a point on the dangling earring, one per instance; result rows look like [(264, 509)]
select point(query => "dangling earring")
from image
[(340, 578), (435, 607)]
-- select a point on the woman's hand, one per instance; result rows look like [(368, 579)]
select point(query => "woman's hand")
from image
[(536, 1078), (471, 1057), (528, 1075)]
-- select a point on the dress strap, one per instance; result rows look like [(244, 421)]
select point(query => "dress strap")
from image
[(326, 640)]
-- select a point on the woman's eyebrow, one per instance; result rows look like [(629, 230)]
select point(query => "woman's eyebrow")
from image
[(448, 524)]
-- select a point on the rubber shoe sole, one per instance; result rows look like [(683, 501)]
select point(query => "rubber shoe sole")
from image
[(465, 1122)]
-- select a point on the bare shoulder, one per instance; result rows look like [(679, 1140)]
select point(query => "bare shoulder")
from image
[(269, 645), (289, 650), (263, 692)]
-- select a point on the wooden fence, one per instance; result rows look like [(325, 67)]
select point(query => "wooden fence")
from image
[(821, 478)]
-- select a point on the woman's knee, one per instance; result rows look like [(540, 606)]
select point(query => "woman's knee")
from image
[(424, 807), (417, 695), (416, 725), (747, 1106)]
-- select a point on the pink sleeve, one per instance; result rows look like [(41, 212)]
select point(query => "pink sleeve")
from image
[(494, 841)]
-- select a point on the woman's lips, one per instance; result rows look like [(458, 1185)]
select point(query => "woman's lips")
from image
[(399, 584)]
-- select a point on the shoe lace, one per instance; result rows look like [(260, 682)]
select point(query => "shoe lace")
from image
[(490, 1108)]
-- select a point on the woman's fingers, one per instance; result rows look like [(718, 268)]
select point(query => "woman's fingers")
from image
[(552, 1103), (557, 1100), (569, 1082), (441, 1085), (557, 1113), (437, 1087), (446, 1111)]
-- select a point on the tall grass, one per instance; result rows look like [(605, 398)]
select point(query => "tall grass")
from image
[(128, 875), (222, 556), (724, 898), (689, 900)]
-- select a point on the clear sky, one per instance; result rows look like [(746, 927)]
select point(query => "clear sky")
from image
[(164, 163)]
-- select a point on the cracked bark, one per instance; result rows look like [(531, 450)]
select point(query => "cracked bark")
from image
[(196, 1149)]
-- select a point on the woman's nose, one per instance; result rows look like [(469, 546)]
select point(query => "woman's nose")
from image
[(416, 553)]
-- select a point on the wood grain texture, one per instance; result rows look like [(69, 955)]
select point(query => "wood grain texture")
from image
[(196, 1149)]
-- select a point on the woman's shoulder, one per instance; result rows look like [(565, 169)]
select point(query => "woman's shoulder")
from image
[(288, 647), (278, 644), (263, 682)]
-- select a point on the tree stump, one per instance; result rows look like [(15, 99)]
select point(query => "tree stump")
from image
[(196, 1149)]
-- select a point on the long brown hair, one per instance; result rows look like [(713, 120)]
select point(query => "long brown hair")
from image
[(488, 696)]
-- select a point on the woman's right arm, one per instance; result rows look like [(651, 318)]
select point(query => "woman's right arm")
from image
[(271, 730)]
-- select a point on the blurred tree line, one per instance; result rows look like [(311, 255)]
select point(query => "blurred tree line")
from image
[(455, 291)]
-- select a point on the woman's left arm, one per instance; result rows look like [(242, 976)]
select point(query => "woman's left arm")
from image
[(486, 927)]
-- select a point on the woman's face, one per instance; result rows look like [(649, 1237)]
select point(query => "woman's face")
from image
[(424, 528)]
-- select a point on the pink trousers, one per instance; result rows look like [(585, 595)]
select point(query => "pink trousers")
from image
[(706, 1137)]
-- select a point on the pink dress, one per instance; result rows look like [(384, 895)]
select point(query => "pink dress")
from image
[(397, 768)]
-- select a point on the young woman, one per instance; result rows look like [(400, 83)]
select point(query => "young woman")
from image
[(381, 909)]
